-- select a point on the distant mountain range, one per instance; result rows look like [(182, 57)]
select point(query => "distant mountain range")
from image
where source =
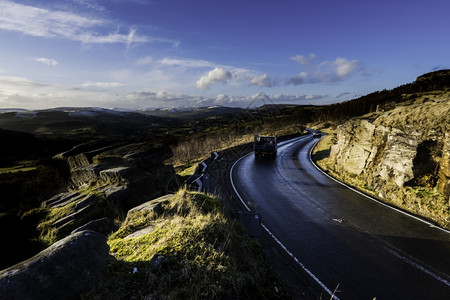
[(87, 122), (94, 122), (92, 111)]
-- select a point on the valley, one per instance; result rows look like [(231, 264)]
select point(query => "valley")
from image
[(66, 171)]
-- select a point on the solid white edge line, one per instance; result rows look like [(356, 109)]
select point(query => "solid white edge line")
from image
[(314, 277), (405, 259), (419, 267), (317, 280), (232, 183), (374, 199)]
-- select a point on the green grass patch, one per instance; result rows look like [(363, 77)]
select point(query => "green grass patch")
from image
[(21, 166), (209, 255), (187, 171), (48, 234)]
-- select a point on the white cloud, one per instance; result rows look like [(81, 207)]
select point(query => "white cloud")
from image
[(185, 62), (163, 99), (343, 67), (260, 99), (297, 79), (214, 76), (36, 21), (42, 22), (11, 81), (304, 60), (47, 61), (23, 92), (325, 71), (102, 84), (90, 4), (186, 68), (262, 81)]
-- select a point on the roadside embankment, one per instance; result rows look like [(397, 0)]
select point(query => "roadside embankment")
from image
[(400, 156)]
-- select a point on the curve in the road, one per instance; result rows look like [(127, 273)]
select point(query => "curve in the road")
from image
[(343, 238), (296, 260)]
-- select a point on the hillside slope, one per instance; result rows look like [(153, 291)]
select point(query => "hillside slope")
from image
[(401, 155)]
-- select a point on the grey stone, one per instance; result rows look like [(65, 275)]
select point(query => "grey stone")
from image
[(141, 232), (87, 201), (62, 199), (103, 225), (64, 270), (154, 205)]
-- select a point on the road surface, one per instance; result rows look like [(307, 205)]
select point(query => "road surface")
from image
[(344, 240)]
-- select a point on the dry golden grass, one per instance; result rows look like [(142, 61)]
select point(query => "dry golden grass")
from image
[(428, 112), (210, 256)]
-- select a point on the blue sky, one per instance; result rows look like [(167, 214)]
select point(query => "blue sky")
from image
[(140, 54)]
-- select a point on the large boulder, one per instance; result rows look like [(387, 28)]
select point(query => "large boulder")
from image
[(64, 270)]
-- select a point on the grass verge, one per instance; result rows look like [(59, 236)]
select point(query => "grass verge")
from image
[(207, 255), (421, 201)]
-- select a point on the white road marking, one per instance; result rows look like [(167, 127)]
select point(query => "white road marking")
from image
[(316, 279), (419, 267), (402, 257), (200, 183), (373, 199)]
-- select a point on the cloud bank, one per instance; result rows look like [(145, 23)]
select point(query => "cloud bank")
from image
[(150, 100), (324, 71)]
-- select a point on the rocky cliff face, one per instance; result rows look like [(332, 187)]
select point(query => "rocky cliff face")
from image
[(106, 181), (118, 164), (109, 180), (401, 152)]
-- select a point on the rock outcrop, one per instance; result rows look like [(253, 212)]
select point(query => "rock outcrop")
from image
[(115, 163), (407, 146), (105, 183), (66, 269), (108, 181)]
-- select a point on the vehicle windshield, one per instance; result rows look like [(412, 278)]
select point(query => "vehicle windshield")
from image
[(265, 140)]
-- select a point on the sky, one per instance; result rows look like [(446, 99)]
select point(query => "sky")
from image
[(145, 54)]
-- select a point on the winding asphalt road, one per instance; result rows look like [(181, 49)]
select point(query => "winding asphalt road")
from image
[(342, 238)]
